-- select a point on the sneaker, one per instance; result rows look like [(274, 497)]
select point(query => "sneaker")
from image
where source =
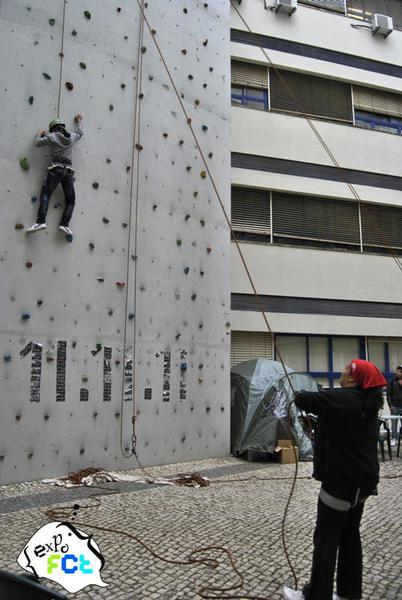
[(36, 227), (65, 229), (393, 442), (289, 594)]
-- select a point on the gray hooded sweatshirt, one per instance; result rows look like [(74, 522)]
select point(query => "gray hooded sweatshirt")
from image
[(60, 145)]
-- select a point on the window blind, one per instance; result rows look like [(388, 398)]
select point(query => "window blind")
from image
[(307, 217), (249, 75), (251, 210), (381, 226), (336, 5), (312, 95), (364, 9), (378, 101), (247, 345)]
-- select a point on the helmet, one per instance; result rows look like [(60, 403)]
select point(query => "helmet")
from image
[(55, 123)]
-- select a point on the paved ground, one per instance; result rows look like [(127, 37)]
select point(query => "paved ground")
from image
[(245, 517)]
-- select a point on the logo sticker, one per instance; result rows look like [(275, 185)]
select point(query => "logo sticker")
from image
[(64, 554)]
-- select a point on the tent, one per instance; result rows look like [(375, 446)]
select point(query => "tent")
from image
[(260, 398)]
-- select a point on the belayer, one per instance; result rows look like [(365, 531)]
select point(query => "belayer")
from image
[(346, 463), (59, 170)]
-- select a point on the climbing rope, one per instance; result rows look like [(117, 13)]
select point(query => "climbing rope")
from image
[(135, 160), (61, 54)]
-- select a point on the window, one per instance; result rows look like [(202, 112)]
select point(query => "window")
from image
[(364, 9), (381, 227), (248, 345), (379, 110), (305, 219), (298, 93), (249, 85), (333, 5), (322, 357), (385, 353), (251, 211)]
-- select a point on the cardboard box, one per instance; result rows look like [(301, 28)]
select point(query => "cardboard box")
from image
[(286, 452)]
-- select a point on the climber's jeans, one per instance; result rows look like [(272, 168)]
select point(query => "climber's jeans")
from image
[(66, 178)]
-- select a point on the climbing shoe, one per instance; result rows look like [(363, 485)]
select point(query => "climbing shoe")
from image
[(36, 227), (65, 229)]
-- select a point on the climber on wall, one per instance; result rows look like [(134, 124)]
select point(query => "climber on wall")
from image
[(59, 171)]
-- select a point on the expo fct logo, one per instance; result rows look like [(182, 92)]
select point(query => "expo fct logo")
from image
[(64, 554)]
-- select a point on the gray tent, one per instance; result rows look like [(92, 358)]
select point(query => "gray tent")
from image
[(260, 398)]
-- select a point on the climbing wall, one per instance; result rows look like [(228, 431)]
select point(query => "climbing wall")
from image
[(130, 315)]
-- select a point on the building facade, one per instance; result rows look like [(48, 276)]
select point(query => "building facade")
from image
[(325, 256)]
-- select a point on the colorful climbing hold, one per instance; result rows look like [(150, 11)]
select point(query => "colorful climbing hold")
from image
[(24, 163), (31, 100), (87, 14), (120, 284), (203, 174), (46, 75), (18, 226), (69, 86), (83, 65)]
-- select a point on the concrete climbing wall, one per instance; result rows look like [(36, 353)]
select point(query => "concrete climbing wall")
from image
[(131, 316)]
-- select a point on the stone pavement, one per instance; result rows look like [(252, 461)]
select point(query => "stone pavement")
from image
[(245, 517)]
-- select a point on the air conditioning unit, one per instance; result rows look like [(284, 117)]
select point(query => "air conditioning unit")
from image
[(382, 24), (288, 6)]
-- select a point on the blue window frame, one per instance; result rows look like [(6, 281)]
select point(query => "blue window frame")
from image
[(250, 97), (329, 375), (378, 122)]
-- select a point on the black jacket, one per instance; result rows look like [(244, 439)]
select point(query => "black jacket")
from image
[(345, 449), (395, 393)]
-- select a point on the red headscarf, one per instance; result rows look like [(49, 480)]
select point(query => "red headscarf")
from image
[(366, 374)]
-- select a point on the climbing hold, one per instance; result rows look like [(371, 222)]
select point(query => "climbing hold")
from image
[(184, 51), (105, 220), (205, 42), (83, 65), (185, 11), (84, 379), (181, 142), (108, 160), (18, 226), (195, 194), (203, 174), (28, 265), (69, 237), (186, 270), (100, 279), (110, 312), (177, 336), (111, 107), (120, 284), (69, 86), (202, 222), (39, 302), (153, 31), (140, 96), (31, 100), (122, 85), (7, 357), (186, 218), (46, 75), (87, 14), (52, 21), (191, 76), (189, 121), (204, 85), (165, 135), (73, 32), (26, 316), (33, 199), (124, 225), (211, 69), (24, 163), (91, 245), (188, 168), (155, 206), (210, 154), (97, 350), (205, 5), (143, 49), (131, 316), (118, 9), (227, 324), (139, 146), (183, 366), (95, 185), (204, 128), (209, 249), (193, 296), (196, 102), (179, 242)]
